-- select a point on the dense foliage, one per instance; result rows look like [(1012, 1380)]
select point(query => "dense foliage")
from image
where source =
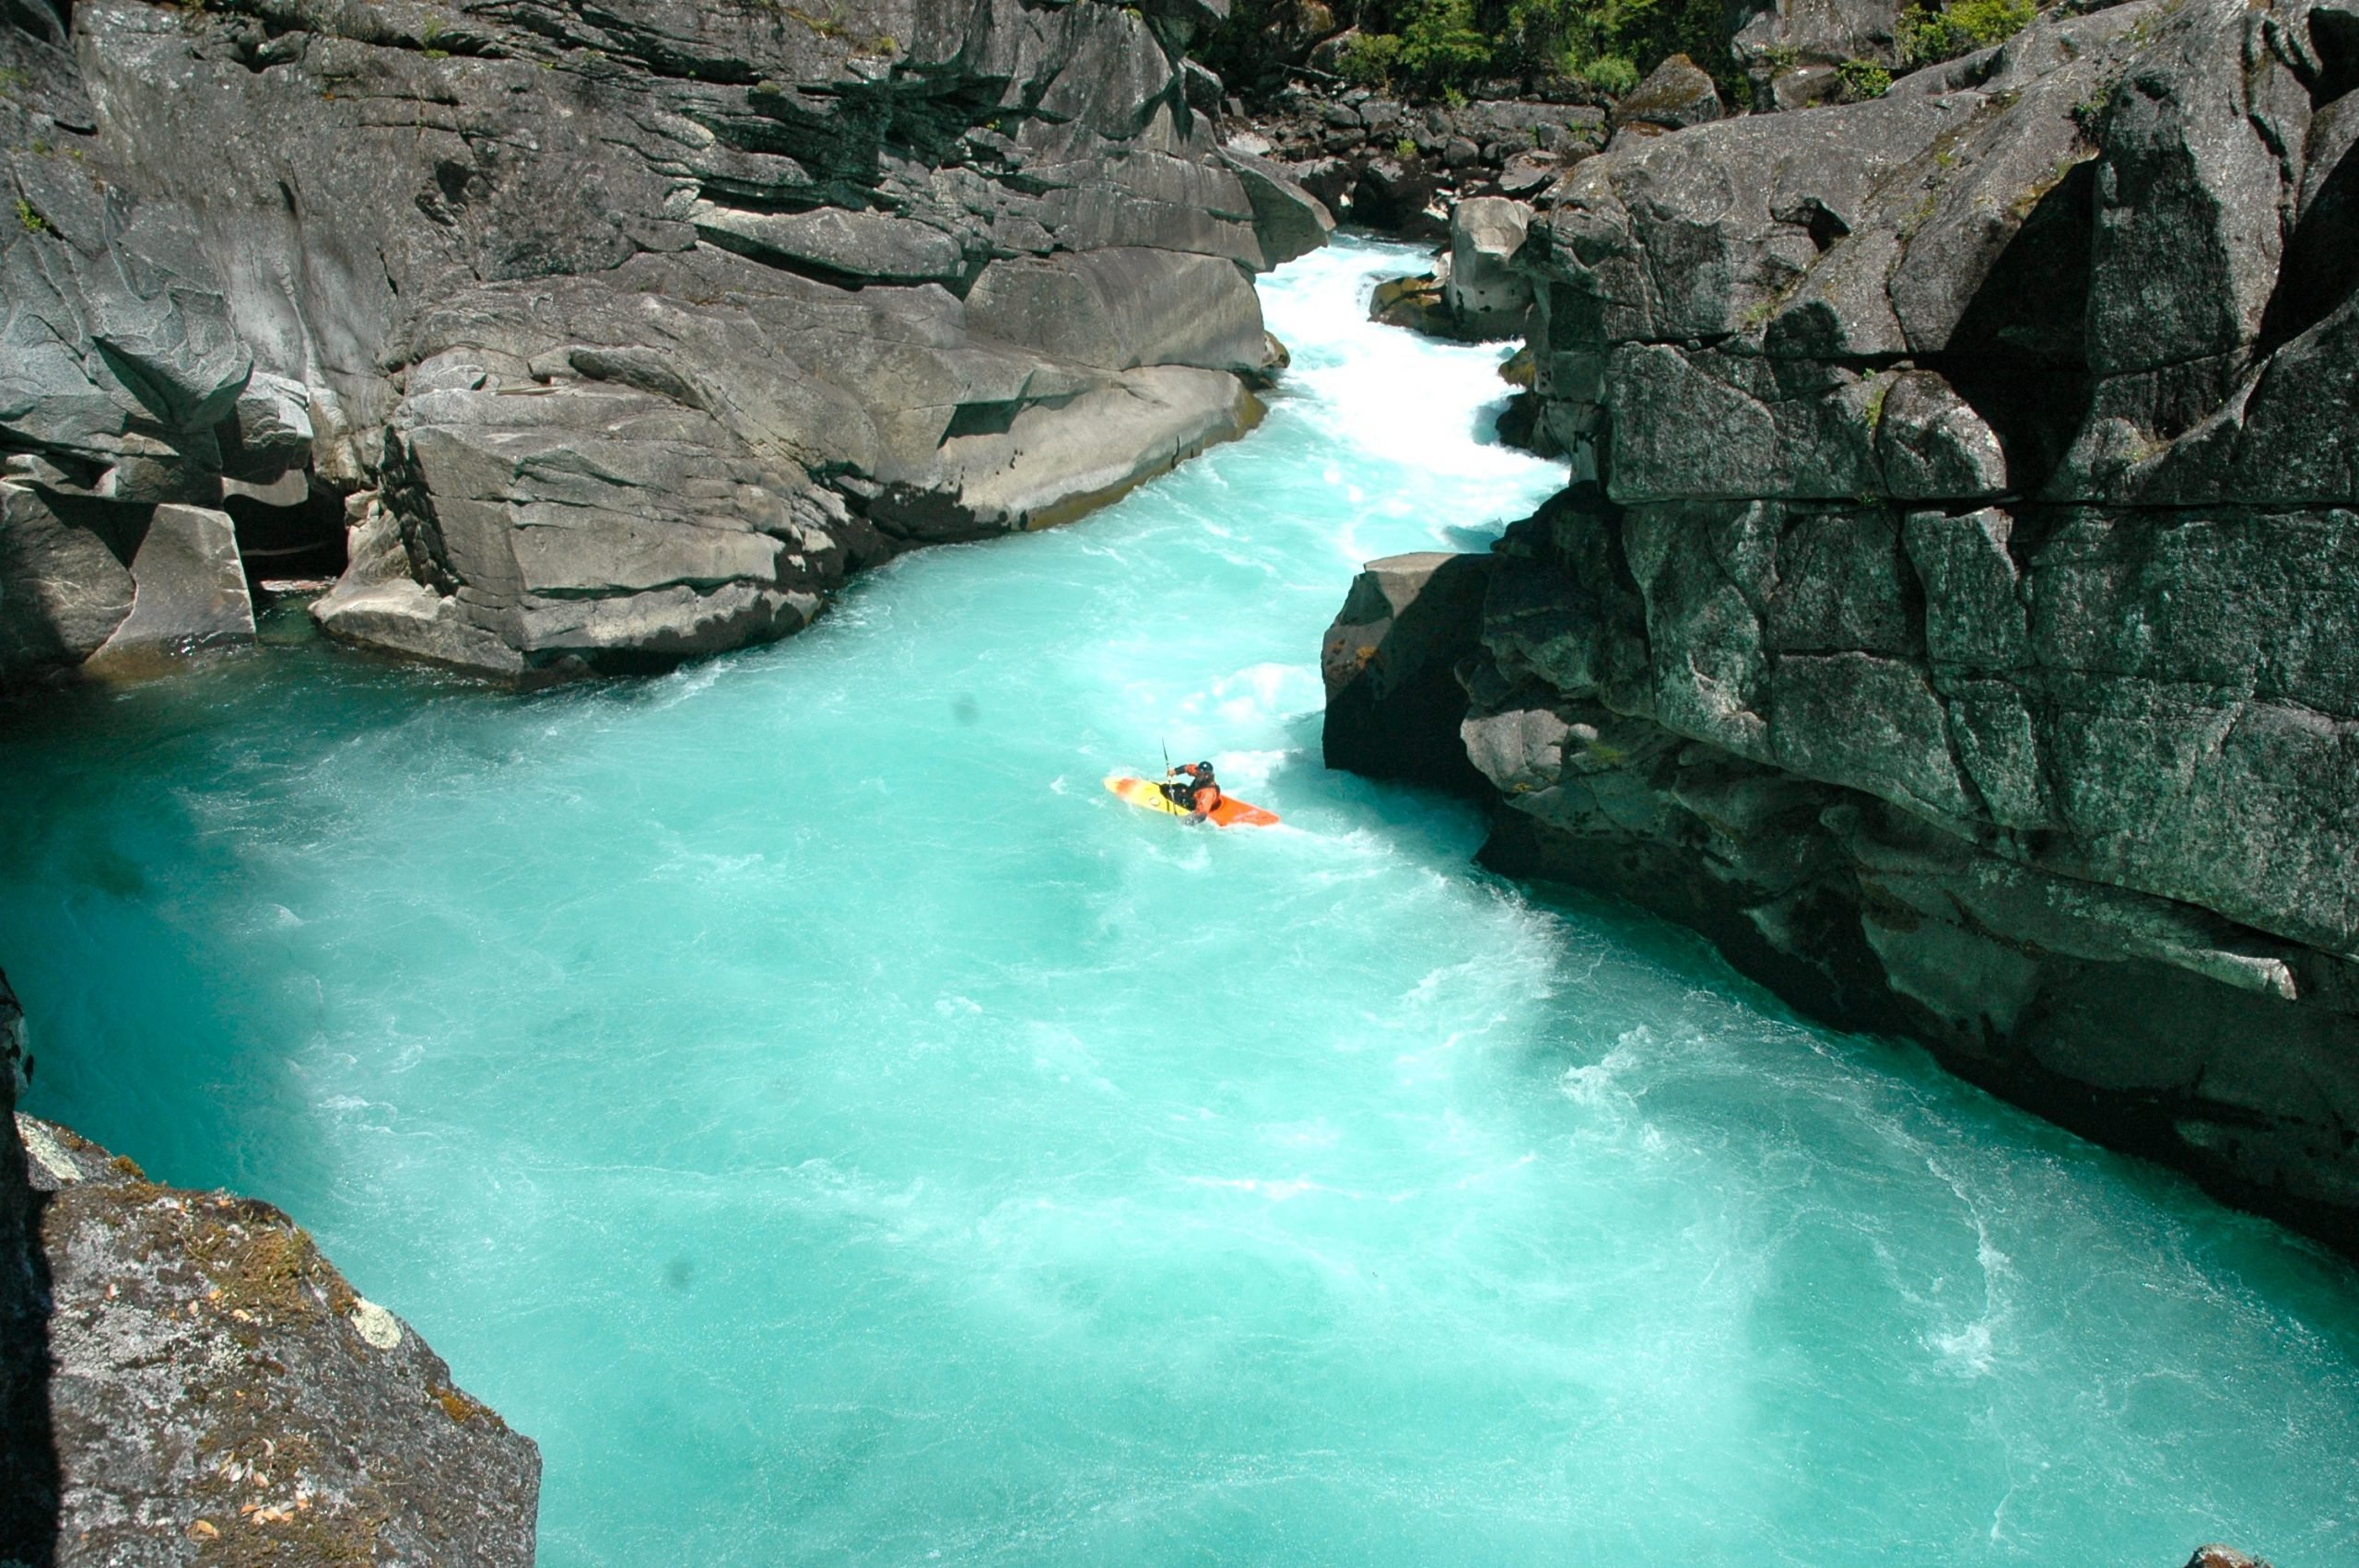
[(1449, 48), (1440, 47), (1928, 33)]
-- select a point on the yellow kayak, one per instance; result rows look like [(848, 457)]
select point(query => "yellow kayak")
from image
[(1230, 813)]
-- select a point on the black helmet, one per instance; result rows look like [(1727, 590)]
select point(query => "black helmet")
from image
[(1202, 770)]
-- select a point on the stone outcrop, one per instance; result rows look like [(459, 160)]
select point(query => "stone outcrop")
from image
[(638, 328), (187, 1380), (1389, 665), (1473, 293), (1676, 94), (1948, 610), (1488, 299)]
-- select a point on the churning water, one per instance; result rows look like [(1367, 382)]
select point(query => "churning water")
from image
[(796, 1093)]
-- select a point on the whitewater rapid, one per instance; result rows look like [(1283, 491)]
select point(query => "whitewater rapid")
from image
[(797, 1095)]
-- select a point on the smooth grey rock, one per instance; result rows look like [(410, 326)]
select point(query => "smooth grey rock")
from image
[(1052, 465), (1288, 220), (189, 592), (1117, 310), (64, 588), (832, 242), (767, 234), (1487, 298), (274, 418)]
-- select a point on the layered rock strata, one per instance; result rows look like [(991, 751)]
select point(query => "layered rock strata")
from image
[(612, 333), (187, 1380), (1950, 611)]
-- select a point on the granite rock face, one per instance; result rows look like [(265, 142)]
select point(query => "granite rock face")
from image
[(1950, 612), (639, 326), (187, 1380)]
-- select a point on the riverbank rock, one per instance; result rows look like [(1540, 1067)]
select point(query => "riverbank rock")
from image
[(1473, 294), (1963, 515), (641, 332), (1389, 664), (186, 1380)]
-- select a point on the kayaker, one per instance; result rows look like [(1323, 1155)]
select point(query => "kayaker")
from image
[(1191, 785)]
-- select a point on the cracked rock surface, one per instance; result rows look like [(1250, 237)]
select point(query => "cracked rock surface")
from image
[(1951, 614), (613, 333)]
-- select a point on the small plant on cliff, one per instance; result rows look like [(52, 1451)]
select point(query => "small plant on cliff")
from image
[(1861, 80), (1928, 34), (2094, 113), (1874, 409), (1616, 74), (33, 222)]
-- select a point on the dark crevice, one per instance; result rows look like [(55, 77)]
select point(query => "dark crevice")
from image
[(302, 541), (2334, 36), (2321, 265), (818, 272), (2018, 356), (31, 1479)]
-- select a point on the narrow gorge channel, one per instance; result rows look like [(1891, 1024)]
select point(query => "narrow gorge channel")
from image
[(792, 1091)]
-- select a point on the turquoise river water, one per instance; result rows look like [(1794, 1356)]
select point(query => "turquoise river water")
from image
[(793, 1092)]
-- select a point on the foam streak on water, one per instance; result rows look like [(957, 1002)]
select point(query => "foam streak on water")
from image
[(798, 1096)]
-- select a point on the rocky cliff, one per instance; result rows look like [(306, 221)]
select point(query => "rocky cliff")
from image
[(186, 1379), (1953, 610), (591, 336)]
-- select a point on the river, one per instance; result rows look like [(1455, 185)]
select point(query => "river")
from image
[(797, 1095)]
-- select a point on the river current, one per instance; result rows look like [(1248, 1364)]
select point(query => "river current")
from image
[(798, 1096)]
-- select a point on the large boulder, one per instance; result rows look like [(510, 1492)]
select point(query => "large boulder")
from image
[(1488, 299), (1790, 47), (1947, 613), (64, 586), (1389, 663), (1676, 94), (188, 592), (1288, 220), (760, 297)]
